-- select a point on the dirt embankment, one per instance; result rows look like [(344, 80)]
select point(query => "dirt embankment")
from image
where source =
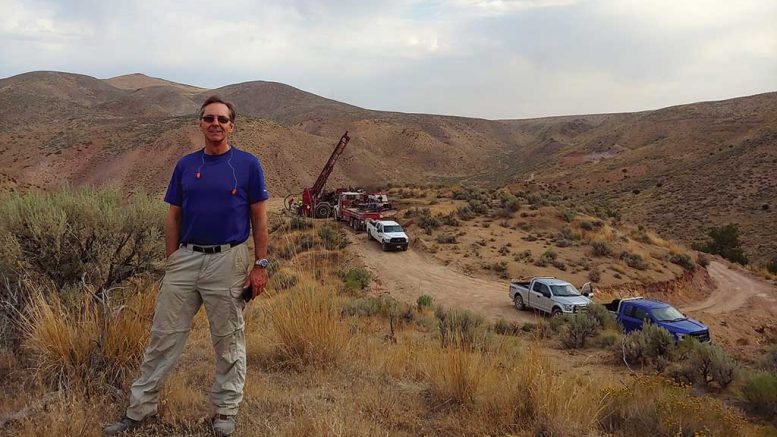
[(690, 287)]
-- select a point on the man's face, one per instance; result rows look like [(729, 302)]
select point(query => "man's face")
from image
[(214, 130)]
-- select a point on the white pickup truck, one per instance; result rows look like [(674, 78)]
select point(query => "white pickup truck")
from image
[(550, 295), (388, 233)]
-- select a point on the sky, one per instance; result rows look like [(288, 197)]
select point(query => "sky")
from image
[(493, 59)]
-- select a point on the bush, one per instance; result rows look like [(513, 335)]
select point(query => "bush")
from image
[(652, 345), (724, 241), (383, 305), (357, 278), (601, 248), (683, 260), (465, 213), (332, 238), (446, 239), (603, 316), (68, 235), (579, 328), (633, 260), (771, 267), (595, 275), (548, 257), (759, 392), (458, 327), (424, 301), (503, 327), (711, 364), (300, 223)]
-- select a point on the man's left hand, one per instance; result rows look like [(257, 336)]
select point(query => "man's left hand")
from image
[(258, 280)]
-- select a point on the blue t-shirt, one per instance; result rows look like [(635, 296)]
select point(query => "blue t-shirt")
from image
[(211, 213)]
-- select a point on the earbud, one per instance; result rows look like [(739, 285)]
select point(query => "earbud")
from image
[(197, 175), (234, 191)]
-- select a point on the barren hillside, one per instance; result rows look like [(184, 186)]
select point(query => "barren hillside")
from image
[(675, 170)]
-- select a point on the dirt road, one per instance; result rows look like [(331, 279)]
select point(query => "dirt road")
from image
[(734, 289), (407, 275)]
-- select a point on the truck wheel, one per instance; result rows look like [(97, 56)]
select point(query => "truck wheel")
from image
[(556, 312), (518, 301), (383, 246), (404, 247), (323, 210), (369, 236)]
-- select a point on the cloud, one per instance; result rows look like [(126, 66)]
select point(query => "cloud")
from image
[(488, 58)]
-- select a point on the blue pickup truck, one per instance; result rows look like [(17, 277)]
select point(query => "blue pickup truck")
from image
[(632, 313)]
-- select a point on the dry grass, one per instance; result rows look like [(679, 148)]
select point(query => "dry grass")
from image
[(313, 372), (307, 327), (86, 339)]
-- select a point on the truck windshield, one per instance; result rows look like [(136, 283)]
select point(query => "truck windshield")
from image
[(396, 228), (667, 314), (564, 290)]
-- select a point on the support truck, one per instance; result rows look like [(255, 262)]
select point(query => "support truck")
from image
[(550, 295), (388, 233), (634, 313)]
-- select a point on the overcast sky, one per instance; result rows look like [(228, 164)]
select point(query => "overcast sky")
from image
[(481, 58)]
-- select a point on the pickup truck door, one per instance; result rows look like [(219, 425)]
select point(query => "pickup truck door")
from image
[(540, 297), (633, 317)]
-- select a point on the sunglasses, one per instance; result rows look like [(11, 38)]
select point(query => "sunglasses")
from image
[(210, 118)]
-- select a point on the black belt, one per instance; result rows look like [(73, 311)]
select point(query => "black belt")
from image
[(209, 249)]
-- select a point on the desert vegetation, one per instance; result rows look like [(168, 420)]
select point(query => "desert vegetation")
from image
[(329, 356)]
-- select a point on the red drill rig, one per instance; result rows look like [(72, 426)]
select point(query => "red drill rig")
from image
[(314, 203)]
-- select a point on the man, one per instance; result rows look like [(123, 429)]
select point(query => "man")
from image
[(216, 195)]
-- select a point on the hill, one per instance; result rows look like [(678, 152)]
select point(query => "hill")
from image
[(676, 170)]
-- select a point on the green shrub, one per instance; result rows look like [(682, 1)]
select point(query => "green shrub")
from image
[(652, 345), (601, 248), (703, 260), (332, 238), (633, 260), (579, 328), (424, 301), (465, 213), (759, 392), (724, 241), (771, 267), (595, 275), (683, 260), (357, 278), (449, 219), (603, 316), (548, 257), (69, 235), (711, 364), (446, 239), (383, 305), (568, 215), (300, 223)]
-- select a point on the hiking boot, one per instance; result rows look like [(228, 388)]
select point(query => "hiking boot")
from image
[(223, 425), (124, 425)]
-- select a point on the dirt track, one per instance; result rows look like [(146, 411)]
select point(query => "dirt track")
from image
[(407, 275), (734, 289)]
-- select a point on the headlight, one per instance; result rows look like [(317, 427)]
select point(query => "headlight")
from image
[(680, 336), (568, 308)]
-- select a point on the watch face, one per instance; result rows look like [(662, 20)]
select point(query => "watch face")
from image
[(262, 263)]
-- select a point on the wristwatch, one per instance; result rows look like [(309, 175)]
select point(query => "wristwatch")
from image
[(263, 263)]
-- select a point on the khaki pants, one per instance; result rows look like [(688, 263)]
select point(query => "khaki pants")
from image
[(191, 279)]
